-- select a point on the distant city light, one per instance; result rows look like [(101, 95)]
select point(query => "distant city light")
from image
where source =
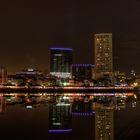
[(62, 104), (29, 107)]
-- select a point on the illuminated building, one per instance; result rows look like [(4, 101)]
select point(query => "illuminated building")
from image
[(133, 74), (82, 71), (60, 62), (104, 119), (3, 75), (103, 55), (120, 78)]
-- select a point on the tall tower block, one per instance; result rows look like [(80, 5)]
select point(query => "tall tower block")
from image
[(60, 62), (103, 55)]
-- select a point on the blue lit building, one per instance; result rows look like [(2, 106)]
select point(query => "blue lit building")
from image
[(82, 71), (60, 62)]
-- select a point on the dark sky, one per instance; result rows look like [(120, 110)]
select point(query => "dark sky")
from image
[(29, 27)]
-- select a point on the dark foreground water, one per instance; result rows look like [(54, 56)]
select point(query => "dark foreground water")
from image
[(26, 120)]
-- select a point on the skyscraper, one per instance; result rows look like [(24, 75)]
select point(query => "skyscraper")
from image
[(60, 62), (103, 55)]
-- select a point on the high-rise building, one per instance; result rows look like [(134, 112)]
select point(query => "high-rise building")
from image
[(104, 123), (103, 55), (60, 62), (3, 75)]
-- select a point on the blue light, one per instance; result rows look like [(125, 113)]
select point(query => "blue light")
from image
[(83, 114), (62, 49), (60, 131), (82, 65)]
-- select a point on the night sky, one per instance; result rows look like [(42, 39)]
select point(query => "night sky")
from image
[(28, 28)]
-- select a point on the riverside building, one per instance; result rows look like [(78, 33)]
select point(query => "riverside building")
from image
[(103, 55), (60, 62)]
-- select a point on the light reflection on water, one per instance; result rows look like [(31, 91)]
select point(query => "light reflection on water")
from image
[(64, 116)]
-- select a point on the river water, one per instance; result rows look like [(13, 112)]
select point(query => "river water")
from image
[(66, 117)]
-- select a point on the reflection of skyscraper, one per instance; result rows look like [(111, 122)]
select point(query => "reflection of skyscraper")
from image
[(81, 106), (103, 54), (2, 104), (60, 62), (104, 120), (60, 117)]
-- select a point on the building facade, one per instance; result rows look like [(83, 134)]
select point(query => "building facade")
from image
[(82, 71), (60, 62), (103, 55)]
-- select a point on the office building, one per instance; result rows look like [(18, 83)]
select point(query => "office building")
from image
[(104, 120), (60, 62), (103, 55), (82, 71)]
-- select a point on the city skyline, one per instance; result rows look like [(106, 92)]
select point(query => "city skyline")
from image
[(29, 29)]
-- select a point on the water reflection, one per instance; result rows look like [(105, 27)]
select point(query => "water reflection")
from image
[(104, 123), (60, 116), (2, 104), (67, 116)]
